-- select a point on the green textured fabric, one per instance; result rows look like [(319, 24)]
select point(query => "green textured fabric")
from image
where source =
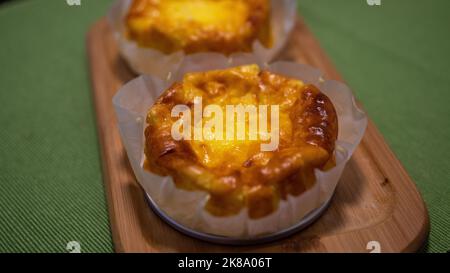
[(394, 57), (51, 189)]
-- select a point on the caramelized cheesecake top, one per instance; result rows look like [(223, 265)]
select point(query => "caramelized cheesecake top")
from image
[(193, 26), (238, 167)]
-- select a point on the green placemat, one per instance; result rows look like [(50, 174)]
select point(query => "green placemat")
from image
[(51, 191)]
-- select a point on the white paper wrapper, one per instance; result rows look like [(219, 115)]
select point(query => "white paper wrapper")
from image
[(187, 208), (154, 62)]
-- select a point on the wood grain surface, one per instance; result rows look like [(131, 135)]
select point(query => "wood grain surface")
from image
[(376, 200)]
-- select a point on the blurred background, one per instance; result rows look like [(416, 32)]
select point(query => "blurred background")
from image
[(394, 57)]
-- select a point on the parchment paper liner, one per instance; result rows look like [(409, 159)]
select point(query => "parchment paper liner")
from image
[(187, 208), (151, 61)]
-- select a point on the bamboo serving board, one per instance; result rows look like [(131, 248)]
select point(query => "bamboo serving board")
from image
[(376, 200)]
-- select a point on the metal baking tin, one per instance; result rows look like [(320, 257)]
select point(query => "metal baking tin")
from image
[(305, 222)]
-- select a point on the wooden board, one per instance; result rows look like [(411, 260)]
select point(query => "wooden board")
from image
[(375, 200)]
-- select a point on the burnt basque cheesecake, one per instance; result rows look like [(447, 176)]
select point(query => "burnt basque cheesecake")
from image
[(192, 26), (237, 173)]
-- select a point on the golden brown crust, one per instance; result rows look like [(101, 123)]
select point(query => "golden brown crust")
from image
[(224, 26), (308, 131)]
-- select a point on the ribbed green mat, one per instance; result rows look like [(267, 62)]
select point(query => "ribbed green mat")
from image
[(395, 57)]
